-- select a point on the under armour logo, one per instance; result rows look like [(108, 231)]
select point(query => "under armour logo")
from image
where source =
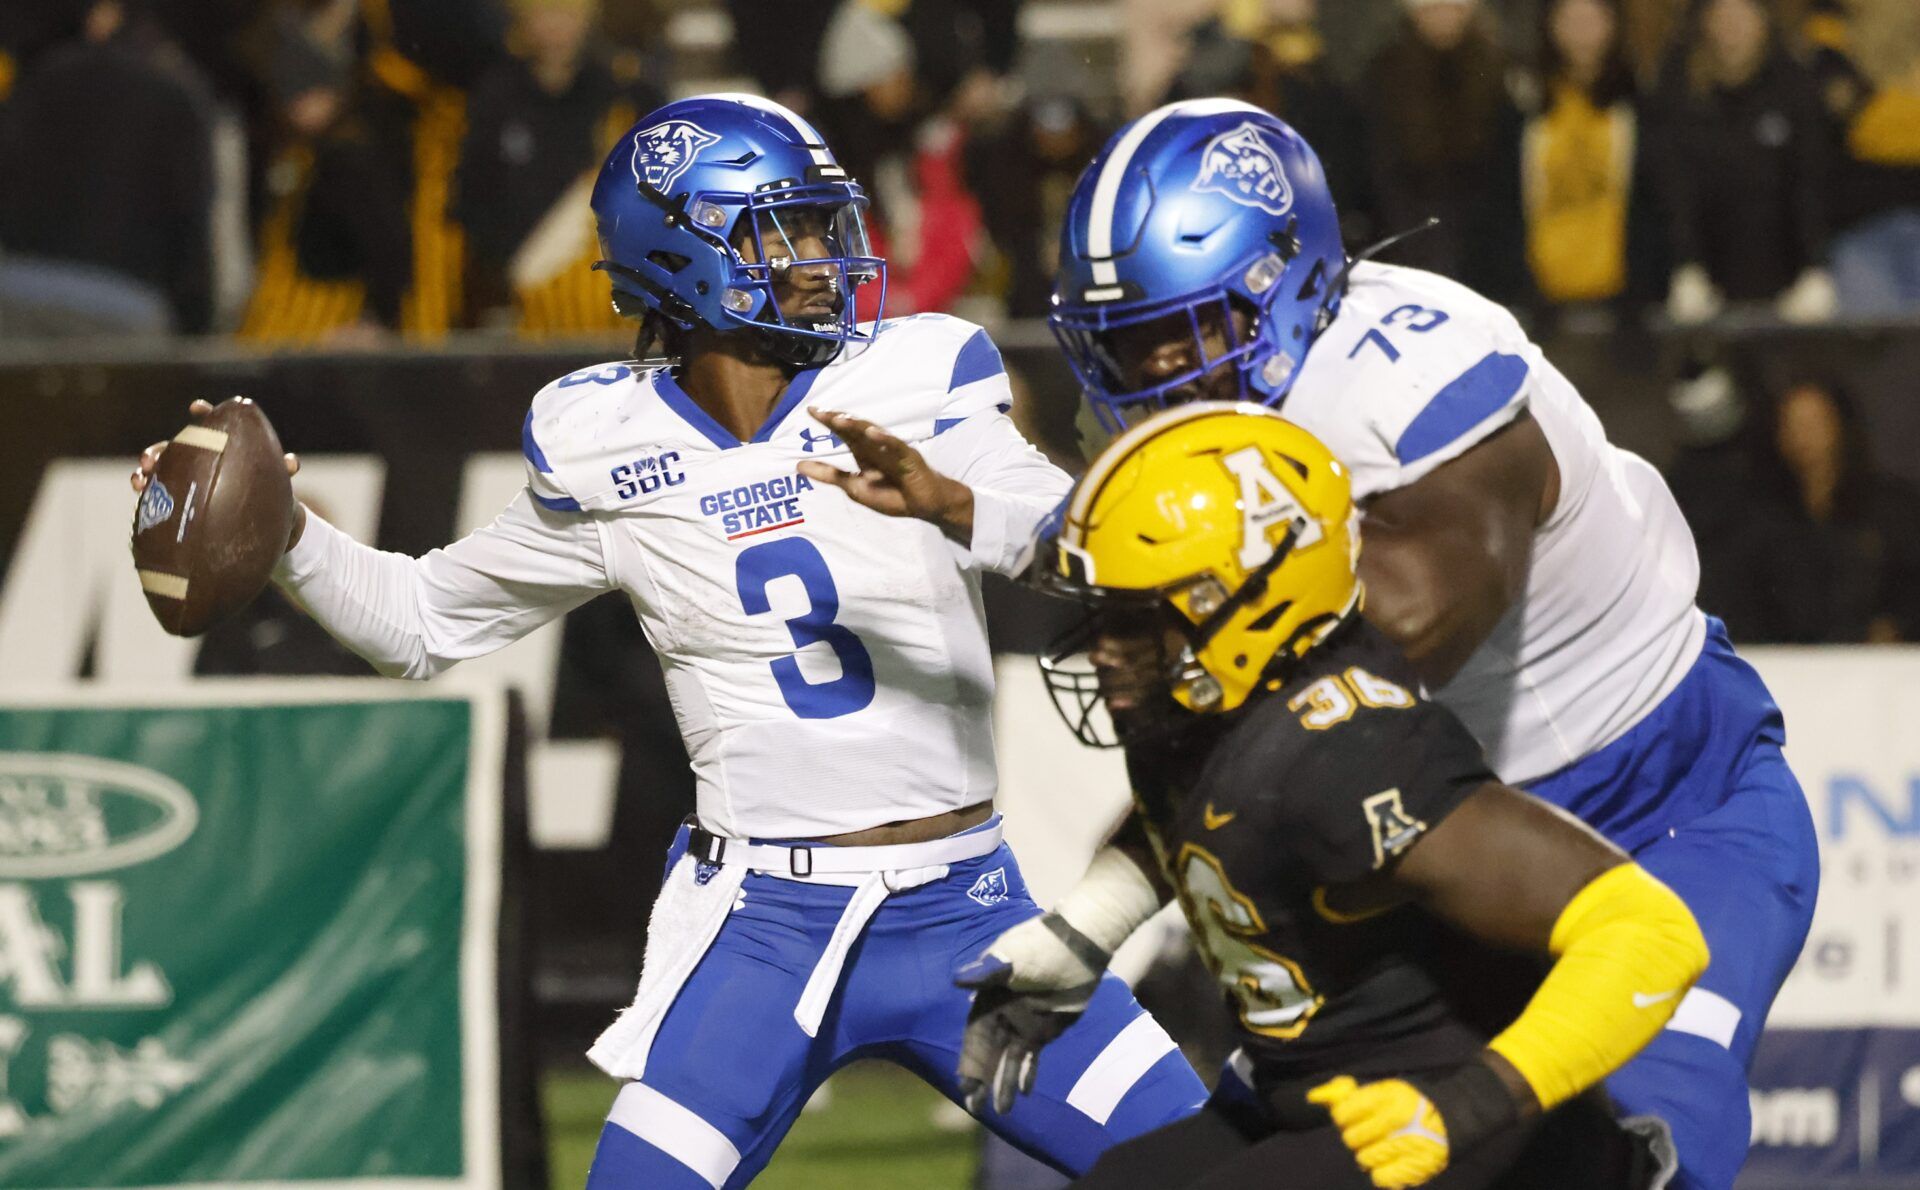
[(812, 438), (991, 888)]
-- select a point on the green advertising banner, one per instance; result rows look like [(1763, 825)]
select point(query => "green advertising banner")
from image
[(247, 938)]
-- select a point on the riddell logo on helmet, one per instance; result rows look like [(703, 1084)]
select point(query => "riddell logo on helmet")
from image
[(663, 152), (1244, 166)]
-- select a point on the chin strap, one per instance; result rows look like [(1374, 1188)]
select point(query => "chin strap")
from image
[(798, 351), (1338, 289)]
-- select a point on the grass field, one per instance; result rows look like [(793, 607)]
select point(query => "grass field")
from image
[(876, 1133)]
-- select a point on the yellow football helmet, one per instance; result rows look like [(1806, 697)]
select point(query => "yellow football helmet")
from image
[(1239, 521)]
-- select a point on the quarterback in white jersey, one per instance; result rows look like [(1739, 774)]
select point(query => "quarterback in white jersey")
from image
[(1541, 579), (799, 504)]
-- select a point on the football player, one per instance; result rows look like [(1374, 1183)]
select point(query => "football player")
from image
[(1319, 818), (811, 581), (1540, 580)]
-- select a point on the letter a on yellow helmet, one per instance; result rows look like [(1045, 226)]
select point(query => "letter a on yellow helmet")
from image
[(1239, 519)]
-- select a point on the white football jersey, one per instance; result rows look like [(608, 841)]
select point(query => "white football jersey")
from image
[(1417, 369), (828, 664)]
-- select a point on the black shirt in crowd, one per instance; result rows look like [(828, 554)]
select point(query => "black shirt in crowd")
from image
[(524, 147), (1745, 177), (106, 159)]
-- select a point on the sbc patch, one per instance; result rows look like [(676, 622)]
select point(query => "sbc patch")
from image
[(991, 888)]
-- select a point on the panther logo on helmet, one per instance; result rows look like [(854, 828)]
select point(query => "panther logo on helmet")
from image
[(1244, 166), (663, 152)]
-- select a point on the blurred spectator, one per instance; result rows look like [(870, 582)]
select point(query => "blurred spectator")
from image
[(1024, 171), (1649, 31), (1869, 68), (1713, 476), (1833, 555), (636, 28), (1580, 160), (1152, 51), (360, 241), (777, 44), (335, 257), (1272, 56), (211, 34), (422, 55), (960, 47), (923, 218), (1744, 169), (453, 41), (537, 127), (1443, 135), (107, 159)]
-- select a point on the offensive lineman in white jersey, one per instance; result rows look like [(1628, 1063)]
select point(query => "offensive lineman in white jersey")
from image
[(1540, 579), (828, 664)]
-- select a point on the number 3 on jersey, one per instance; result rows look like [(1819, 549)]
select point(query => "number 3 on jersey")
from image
[(759, 565)]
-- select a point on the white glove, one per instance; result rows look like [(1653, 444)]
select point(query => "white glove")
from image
[(1693, 297), (1811, 298), (1070, 946)]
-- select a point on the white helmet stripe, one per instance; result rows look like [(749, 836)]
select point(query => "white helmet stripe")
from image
[(808, 132), (1106, 191), (1117, 452)]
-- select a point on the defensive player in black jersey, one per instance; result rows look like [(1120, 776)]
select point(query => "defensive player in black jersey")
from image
[(1346, 859)]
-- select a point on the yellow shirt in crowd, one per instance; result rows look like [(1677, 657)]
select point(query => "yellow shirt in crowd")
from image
[(1577, 175)]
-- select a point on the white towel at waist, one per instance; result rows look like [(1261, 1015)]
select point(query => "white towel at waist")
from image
[(686, 918)]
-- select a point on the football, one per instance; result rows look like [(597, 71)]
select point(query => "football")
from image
[(213, 521)]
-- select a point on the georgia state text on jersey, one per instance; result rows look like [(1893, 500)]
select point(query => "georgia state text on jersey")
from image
[(819, 656), (828, 664), (1415, 370), (1270, 824)]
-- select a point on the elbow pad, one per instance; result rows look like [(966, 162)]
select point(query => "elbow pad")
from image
[(1628, 950)]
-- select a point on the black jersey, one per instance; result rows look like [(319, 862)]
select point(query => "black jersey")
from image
[(1274, 824)]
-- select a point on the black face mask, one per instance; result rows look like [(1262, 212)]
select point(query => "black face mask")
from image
[(1078, 691)]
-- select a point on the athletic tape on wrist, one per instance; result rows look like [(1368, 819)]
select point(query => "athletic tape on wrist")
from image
[(1473, 1103)]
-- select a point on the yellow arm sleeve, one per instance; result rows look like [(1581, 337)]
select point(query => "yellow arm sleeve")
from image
[(1627, 949)]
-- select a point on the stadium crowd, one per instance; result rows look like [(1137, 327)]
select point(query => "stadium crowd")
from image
[(415, 166), (360, 173)]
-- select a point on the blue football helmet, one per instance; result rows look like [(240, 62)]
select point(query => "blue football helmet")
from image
[(1189, 214), (697, 180)]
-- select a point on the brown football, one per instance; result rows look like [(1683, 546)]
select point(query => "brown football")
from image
[(213, 521)]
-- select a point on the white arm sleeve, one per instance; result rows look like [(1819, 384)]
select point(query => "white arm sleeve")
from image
[(415, 617), (1014, 485)]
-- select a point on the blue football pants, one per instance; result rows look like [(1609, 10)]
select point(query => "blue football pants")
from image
[(730, 1068), (1749, 871)]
